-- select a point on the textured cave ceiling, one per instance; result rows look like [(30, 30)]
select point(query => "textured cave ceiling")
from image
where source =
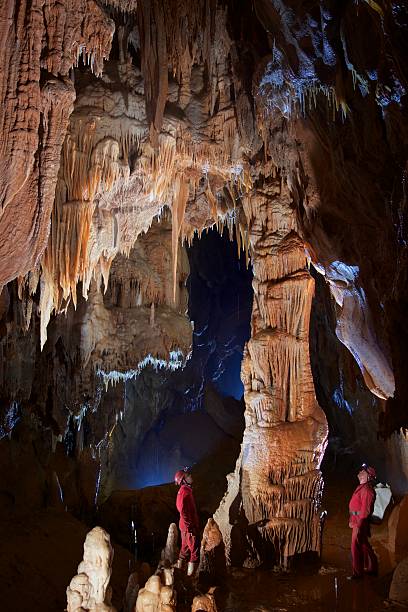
[(121, 118)]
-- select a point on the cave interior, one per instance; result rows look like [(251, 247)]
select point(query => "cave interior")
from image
[(203, 263)]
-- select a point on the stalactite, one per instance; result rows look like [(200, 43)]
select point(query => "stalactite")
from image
[(93, 165), (154, 63), (86, 166), (178, 209)]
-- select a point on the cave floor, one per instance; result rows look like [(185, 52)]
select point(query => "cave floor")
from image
[(40, 554), (309, 588), (262, 592)]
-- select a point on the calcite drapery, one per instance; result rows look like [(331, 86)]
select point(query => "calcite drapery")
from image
[(40, 43), (277, 481), (355, 328)]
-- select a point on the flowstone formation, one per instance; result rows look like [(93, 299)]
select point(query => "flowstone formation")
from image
[(40, 46), (274, 495)]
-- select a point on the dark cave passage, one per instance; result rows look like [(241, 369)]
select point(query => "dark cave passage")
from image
[(220, 304), (197, 410)]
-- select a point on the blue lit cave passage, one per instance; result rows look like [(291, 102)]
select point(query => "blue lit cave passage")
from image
[(220, 304), (201, 407)]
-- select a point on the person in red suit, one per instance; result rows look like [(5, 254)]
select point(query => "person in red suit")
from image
[(189, 523), (361, 507)]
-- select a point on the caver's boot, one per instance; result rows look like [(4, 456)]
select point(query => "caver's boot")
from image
[(191, 568), (180, 564), (354, 577)]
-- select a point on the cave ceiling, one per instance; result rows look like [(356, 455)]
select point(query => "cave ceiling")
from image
[(124, 119)]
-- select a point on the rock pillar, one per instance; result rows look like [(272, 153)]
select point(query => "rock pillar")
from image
[(271, 508)]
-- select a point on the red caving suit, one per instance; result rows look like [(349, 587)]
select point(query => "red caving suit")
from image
[(189, 523), (361, 507)]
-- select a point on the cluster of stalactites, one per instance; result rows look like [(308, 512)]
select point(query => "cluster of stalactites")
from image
[(88, 35), (89, 226), (173, 37), (86, 167)]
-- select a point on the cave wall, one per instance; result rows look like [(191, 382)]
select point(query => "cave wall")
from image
[(352, 167), (352, 411), (58, 408)]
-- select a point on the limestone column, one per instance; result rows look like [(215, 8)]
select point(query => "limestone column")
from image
[(272, 504)]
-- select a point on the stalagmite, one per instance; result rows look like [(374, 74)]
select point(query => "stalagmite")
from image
[(204, 603), (133, 586), (212, 567), (155, 597), (277, 474), (167, 600), (170, 552), (132, 590), (89, 589)]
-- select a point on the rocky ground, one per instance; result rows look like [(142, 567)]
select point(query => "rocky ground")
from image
[(40, 552)]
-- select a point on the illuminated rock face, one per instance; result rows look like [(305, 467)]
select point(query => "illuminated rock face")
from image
[(277, 475)]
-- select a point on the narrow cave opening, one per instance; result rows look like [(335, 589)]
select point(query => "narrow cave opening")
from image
[(220, 304)]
